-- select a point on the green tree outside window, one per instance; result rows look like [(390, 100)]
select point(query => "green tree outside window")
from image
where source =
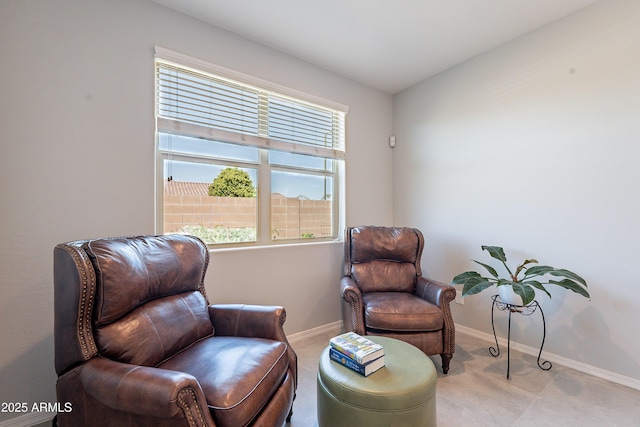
[(232, 182)]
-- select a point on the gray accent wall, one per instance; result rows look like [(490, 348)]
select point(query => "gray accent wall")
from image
[(534, 146)]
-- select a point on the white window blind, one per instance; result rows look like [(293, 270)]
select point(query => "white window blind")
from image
[(200, 104)]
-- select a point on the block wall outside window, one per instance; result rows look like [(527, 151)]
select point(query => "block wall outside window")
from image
[(292, 218)]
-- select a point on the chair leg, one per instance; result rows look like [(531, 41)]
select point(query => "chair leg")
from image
[(446, 358)]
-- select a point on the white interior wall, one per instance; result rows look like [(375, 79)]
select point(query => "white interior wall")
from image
[(534, 147), (77, 161)]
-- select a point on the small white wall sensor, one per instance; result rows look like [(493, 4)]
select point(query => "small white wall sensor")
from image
[(392, 141)]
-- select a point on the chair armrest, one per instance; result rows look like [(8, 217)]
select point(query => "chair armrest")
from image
[(146, 391), (435, 292), (253, 321), (241, 320), (441, 295), (352, 306), (349, 290)]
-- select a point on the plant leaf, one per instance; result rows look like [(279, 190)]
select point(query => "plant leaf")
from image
[(525, 291), (523, 265), (462, 278), (490, 269), (538, 270), (503, 282), (496, 252), (473, 287), (569, 274), (571, 285), (537, 285)]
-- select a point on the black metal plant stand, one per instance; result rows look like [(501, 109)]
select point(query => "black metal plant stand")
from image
[(525, 310)]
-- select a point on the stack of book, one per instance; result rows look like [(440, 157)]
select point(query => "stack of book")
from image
[(356, 353)]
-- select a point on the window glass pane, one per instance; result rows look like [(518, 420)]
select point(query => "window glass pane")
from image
[(204, 147), (282, 158), (191, 205), (301, 206)]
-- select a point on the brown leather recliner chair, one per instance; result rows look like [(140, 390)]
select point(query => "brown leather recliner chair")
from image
[(137, 343), (384, 293)]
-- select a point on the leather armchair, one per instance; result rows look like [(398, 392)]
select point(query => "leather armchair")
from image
[(384, 293), (137, 343)]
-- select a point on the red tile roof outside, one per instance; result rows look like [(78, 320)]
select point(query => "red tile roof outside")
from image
[(182, 188)]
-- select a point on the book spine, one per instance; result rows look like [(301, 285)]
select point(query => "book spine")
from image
[(344, 360), (343, 349), (355, 354)]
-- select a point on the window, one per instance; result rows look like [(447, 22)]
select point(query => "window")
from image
[(242, 161)]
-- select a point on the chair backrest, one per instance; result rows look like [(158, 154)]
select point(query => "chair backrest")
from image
[(137, 299), (383, 259)]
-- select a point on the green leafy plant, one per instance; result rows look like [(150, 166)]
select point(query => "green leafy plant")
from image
[(523, 280), (232, 182)]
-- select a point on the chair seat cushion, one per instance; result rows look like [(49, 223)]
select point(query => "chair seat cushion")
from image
[(238, 375), (401, 311)]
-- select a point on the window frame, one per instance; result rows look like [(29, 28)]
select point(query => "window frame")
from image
[(263, 167)]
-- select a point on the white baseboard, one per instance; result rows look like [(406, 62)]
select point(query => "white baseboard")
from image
[(29, 420), (330, 328), (554, 358)]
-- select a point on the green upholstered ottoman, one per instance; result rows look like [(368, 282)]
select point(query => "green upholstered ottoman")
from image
[(403, 393)]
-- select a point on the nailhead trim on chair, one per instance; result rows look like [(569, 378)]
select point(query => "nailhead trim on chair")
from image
[(185, 407), (450, 296), (85, 331), (354, 316)]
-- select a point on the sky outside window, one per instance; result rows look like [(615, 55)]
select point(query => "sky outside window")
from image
[(289, 184)]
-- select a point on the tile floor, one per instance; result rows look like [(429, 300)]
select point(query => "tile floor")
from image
[(477, 393)]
